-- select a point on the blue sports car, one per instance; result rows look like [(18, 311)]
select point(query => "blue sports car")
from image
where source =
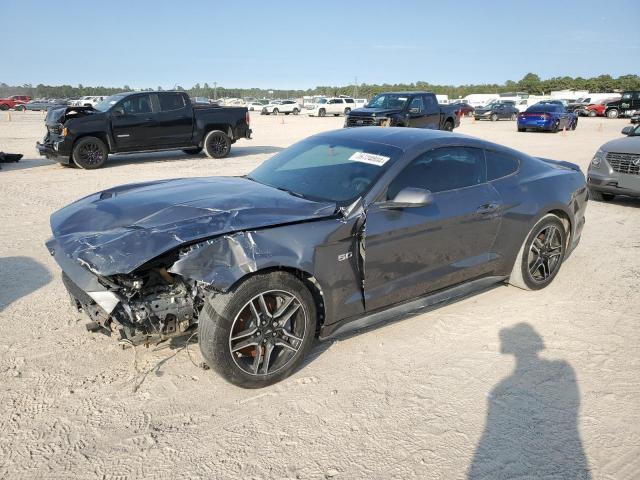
[(549, 116)]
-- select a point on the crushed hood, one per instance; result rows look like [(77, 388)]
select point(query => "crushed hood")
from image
[(120, 229), (62, 114)]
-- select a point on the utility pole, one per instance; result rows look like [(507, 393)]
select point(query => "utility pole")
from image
[(355, 89), (215, 88)]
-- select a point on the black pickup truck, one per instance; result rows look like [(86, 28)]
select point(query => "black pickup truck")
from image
[(404, 109), (141, 122)]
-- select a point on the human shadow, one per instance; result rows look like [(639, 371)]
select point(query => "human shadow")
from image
[(531, 429), (19, 276)]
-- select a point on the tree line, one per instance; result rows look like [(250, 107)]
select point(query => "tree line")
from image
[(530, 83)]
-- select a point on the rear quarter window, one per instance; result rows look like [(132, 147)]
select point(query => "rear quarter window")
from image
[(171, 101), (500, 164)]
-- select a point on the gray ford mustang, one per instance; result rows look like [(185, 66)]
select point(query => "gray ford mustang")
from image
[(339, 231)]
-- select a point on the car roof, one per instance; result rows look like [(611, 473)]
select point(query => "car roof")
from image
[(406, 93), (402, 138)]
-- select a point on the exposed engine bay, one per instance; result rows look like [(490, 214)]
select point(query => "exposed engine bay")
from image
[(154, 306)]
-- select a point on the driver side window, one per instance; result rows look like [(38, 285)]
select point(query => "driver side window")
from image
[(137, 104), (418, 104), (440, 170)]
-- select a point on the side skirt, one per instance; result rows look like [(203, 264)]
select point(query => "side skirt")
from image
[(409, 308)]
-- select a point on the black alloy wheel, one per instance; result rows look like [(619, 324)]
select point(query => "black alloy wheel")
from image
[(90, 153)]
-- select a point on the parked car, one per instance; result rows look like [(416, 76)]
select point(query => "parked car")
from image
[(627, 105), (497, 110), (137, 122), (335, 106), (87, 100), (442, 215), (284, 106), (404, 109), (255, 106), (41, 105), (595, 109), (464, 109), (635, 118), (13, 101), (550, 116), (615, 168)]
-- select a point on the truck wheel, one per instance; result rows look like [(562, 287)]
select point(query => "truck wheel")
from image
[(275, 111), (192, 151), (322, 112), (90, 153), (217, 144), (295, 111), (613, 113), (260, 332), (592, 113), (494, 117), (448, 126)]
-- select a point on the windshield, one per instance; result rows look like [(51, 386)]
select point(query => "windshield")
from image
[(329, 170), (389, 100), (108, 102)]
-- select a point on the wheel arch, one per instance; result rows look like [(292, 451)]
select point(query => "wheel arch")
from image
[(308, 279)]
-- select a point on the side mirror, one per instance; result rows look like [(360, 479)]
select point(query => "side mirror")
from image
[(409, 197), (414, 110), (628, 130)]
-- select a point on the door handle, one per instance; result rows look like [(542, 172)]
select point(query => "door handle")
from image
[(487, 208)]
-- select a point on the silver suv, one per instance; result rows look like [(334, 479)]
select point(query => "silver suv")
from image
[(615, 168)]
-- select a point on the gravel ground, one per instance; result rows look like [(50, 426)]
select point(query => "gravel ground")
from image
[(504, 384)]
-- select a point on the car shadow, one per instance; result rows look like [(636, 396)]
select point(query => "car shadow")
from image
[(531, 430), (631, 202), (20, 276)]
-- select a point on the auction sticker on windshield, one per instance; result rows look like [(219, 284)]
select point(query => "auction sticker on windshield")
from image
[(371, 158)]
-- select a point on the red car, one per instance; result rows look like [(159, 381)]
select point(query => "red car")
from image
[(464, 109), (12, 101), (597, 109)]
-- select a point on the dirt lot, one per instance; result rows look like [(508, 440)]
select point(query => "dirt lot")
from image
[(439, 395)]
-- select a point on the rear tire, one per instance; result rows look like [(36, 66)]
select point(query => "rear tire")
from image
[(592, 113), (522, 129), (448, 126), (574, 124), (556, 127), (217, 144), (275, 111), (4, 107), (19, 108), (494, 117), (322, 112), (192, 151), (89, 153), (227, 319), (613, 113), (549, 237), (600, 196), (295, 111)]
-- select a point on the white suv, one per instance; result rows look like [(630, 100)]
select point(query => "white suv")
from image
[(286, 107), (88, 101), (331, 106)]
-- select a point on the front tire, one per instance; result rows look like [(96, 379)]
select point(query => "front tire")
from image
[(592, 113), (613, 113), (295, 111), (275, 111), (494, 117), (89, 153), (217, 144), (260, 332), (20, 108), (448, 126), (322, 112), (541, 255), (574, 124)]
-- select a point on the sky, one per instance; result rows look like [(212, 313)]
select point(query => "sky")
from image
[(302, 44)]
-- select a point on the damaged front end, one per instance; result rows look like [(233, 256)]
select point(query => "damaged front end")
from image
[(148, 305)]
